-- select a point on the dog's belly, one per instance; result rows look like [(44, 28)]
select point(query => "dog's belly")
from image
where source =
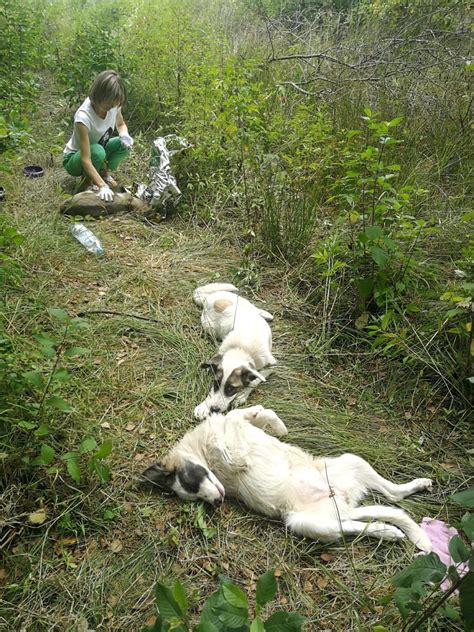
[(310, 488)]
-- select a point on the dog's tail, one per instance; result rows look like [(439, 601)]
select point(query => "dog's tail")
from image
[(202, 292)]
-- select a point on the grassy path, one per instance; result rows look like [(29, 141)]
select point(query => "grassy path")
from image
[(94, 562)]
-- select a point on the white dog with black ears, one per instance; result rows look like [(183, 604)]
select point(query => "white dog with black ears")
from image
[(245, 355), (316, 497)]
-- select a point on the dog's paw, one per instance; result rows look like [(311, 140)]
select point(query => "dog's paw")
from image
[(422, 484), (201, 411), (391, 533), (423, 543), (271, 418)]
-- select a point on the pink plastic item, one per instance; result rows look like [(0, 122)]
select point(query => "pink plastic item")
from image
[(440, 534)]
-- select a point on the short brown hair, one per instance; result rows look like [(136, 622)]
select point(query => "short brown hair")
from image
[(108, 86)]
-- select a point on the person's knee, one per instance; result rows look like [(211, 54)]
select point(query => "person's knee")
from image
[(97, 155)]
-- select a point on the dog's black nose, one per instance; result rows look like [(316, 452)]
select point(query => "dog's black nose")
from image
[(215, 409)]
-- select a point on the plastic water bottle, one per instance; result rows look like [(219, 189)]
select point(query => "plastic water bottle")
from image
[(87, 238)]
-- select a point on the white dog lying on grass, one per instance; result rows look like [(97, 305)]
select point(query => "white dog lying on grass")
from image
[(239, 365), (316, 497)]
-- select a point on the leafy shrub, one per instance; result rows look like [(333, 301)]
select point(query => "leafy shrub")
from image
[(31, 384), (414, 584), (226, 610)]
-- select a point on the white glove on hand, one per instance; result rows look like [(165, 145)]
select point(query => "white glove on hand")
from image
[(106, 194), (126, 140)]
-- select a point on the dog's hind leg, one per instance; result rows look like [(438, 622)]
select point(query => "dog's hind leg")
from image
[(314, 525), (260, 417), (397, 517), (201, 293), (365, 476)]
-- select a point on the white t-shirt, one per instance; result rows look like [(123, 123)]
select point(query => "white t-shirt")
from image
[(100, 130)]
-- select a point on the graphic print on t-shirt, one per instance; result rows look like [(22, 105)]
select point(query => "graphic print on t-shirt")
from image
[(106, 137)]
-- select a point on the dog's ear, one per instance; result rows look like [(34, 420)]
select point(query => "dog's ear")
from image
[(249, 375), (157, 476), (213, 363)]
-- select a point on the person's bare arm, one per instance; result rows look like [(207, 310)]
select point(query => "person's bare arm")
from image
[(86, 161), (120, 124)]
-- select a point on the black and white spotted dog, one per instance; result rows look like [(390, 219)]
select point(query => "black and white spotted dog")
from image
[(231, 455), (245, 353)]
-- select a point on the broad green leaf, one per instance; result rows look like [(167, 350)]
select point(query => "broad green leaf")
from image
[(458, 550), (72, 465), (233, 619), (104, 450), (42, 431), (219, 612), (407, 600), (451, 612), (45, 352), (206, 627), (87, 445), (467, 525), (61, 375), (365, 287), (266, 588), (101, 469), (59, 403), (35, 378), (374, 232), (47, 454), (180, 596), (257, 626), (60, 314), (464, 498), (26, 425), (168, 607), (234, 595), (71, 352), (380, 256), (425, 568), (394, 122), (45, 340), (284, 622), (466, 600)]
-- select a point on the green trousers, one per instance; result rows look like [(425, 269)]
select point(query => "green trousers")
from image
[(110, 156)]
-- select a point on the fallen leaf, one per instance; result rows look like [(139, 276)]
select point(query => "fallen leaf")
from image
[(37, 517), (142, 431), (322, 582), (131, 426), (278, 572), (153, 436), (284, 601), (308, 586), (351, 401), (408, 415), (139, 457), (115, 546), (327, 557), (151, 620), (105, 425)]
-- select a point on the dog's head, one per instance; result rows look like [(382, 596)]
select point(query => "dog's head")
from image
[(231, 375), (189, 480)]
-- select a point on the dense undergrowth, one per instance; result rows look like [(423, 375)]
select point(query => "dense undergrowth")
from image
[(330, 146)]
